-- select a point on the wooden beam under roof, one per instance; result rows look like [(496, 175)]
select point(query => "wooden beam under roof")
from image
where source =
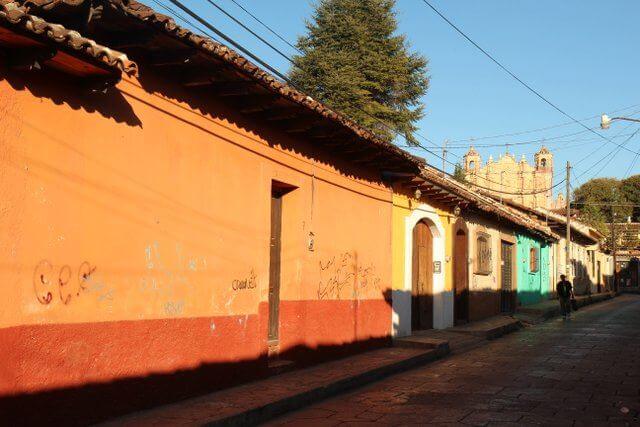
[(171, 58)]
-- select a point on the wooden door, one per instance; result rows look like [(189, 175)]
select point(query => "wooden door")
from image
[(422, 289), (460, 276), (506, 278), (274, 265)]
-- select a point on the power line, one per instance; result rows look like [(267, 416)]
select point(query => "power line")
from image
[(519, 80), (632, 205), (532, 141), (253, 33), (541, 128), (182, 18), (415, 145), (285, 79), (267, 26), (228, 39), (610, 155)]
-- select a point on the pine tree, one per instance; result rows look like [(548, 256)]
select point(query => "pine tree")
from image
[(353, 60), (459, 175)]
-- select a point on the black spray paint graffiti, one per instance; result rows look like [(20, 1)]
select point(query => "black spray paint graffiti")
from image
[(47, 281), (335, 274), (247, 283), (342, 272)]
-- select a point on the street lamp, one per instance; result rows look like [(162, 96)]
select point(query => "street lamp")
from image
[(605, 121)]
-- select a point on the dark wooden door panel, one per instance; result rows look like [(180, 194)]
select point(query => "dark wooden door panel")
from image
[(274, 266), (461, 277), (506, 278), (422, 289)]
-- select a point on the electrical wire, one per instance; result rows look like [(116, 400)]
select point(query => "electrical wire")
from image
[(208, 25), (519, 80), (504, 135), (272, 31), (415, 145), (253, 33), (183, 19), (610, 156)]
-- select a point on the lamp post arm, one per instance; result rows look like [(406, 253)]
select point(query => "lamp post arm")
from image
[(628, 119)]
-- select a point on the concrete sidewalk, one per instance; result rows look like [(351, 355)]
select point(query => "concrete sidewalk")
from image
[(263, 400), (537, 313), (464, 337)]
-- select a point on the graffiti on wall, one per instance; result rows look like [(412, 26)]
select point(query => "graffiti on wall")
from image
[(335, 274), (341, 275), (64, 282), (246, 283)]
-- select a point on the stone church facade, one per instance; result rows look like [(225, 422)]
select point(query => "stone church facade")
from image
[(515, 179)]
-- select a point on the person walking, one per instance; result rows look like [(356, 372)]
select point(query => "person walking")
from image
[(564, 289)]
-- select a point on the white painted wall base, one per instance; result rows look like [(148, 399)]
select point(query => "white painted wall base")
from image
[(442, 300)]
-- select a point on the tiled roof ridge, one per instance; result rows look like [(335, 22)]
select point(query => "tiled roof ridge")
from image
[(485, 203), (15, 14), (145, 13), (576, 225)]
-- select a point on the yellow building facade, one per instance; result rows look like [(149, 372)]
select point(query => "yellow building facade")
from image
[(408, 214)]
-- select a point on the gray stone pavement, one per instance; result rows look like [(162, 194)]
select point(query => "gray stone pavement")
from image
[(579, 372)]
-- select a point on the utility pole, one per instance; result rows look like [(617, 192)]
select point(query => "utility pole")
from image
[(568, 242), (613, 249), (444, 156)]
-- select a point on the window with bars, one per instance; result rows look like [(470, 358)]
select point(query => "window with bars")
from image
[(483, 254)]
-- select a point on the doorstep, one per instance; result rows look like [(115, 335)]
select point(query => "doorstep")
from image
[(461, 338), (490, 328), (262, 400)]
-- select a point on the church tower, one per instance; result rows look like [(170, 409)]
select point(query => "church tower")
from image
[(544, 160), (543, 177), (472, 165)]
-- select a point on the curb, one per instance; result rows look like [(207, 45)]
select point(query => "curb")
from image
[(533, 316), (294, 402)]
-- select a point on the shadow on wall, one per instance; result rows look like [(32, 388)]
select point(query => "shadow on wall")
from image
[(96, 402), (93, 403), (205, 104), (66, 91), (583, 284)]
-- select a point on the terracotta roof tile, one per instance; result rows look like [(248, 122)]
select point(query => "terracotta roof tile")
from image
[(14, 15), (487, 204), (210, 47)]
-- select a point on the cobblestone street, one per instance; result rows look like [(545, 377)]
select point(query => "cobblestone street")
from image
[(584, 371)]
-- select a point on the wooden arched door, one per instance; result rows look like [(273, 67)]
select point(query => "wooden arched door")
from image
[(422, 288), (460, 272)]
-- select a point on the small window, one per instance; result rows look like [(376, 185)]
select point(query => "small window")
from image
[(483, 254), (533, 259), (472, 164), (543, 163)]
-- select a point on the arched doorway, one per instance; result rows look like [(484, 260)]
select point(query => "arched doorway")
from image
[(460, 272), (422, 283)]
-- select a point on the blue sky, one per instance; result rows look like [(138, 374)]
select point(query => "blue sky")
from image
[(580, 54)]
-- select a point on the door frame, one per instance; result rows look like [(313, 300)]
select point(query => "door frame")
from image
[(511, 239), (279, 191), (442, 300), (459, 225), (422, 319)]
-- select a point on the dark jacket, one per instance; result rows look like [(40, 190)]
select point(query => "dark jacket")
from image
[(564, 289)]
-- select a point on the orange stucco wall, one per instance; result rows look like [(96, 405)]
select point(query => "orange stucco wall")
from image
[(136, 233)]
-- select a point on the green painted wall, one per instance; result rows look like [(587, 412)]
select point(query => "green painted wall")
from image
[(533, 287)]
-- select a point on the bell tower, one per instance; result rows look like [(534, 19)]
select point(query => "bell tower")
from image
[(544, 160), (472, 165), (472, 161), (543, 177)]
